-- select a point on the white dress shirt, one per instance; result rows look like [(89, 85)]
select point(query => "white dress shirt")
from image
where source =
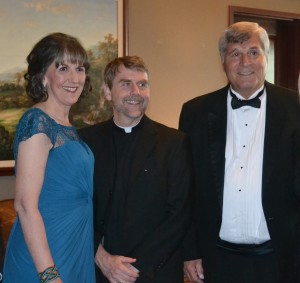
[(243, 220)]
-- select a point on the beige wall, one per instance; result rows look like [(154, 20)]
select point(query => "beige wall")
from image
[(178, 40)]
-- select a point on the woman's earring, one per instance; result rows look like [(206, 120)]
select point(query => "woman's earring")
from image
[(45, 89)]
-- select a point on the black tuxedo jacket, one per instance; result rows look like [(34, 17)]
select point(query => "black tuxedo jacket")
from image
[(157, 208), (204, 119)]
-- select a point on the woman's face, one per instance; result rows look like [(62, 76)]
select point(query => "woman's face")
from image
[(65, 82)]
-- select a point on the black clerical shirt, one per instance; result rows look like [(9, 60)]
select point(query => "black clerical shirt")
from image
[(124, 149)]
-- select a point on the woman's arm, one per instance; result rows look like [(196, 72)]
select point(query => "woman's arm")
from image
[(32, 158)]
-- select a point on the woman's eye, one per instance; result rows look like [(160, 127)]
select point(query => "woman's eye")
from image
[(81, 69), (62, 68)]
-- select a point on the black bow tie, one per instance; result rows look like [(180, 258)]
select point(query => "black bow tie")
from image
[(238, 103)]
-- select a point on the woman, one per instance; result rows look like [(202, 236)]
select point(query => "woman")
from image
[(51, 239)]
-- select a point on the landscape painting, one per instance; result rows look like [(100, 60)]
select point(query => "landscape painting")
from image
[(94, 22)]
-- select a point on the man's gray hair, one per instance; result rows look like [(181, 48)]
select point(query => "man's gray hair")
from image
[(240, 32)]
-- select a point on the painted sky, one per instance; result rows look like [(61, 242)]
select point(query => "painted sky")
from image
[(24, 22)]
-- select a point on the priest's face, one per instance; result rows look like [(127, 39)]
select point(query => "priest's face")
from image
[(129, 96)]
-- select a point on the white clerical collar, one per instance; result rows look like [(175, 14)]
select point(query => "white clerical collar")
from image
[(127, 129)]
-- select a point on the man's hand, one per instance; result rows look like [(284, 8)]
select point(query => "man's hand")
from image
[(117, 269), (193, 270)]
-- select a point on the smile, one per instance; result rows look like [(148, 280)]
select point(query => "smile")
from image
[(245, 73), (133, 100), (70, 89)]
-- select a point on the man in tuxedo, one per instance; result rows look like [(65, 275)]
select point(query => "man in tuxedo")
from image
[(246, 154), (141, 184)]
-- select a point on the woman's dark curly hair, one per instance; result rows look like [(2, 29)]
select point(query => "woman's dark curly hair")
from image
[(58, 48)]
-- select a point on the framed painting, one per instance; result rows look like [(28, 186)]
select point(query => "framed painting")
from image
[(100, 25)]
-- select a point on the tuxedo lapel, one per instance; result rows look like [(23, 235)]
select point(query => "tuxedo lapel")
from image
[(217, 126), (275, 119)]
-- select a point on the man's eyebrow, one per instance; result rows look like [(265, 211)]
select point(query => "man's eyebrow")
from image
[(233, 50), (124, 80), (254, 47), (237, 49)]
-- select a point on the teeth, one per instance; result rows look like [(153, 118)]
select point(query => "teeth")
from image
[(72, 89), (132, 102), (246, 74)]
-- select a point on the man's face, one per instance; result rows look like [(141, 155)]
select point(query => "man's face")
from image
[(129, 96), (245, 65)]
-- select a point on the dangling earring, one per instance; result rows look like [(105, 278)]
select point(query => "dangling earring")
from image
[(45, 89)]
